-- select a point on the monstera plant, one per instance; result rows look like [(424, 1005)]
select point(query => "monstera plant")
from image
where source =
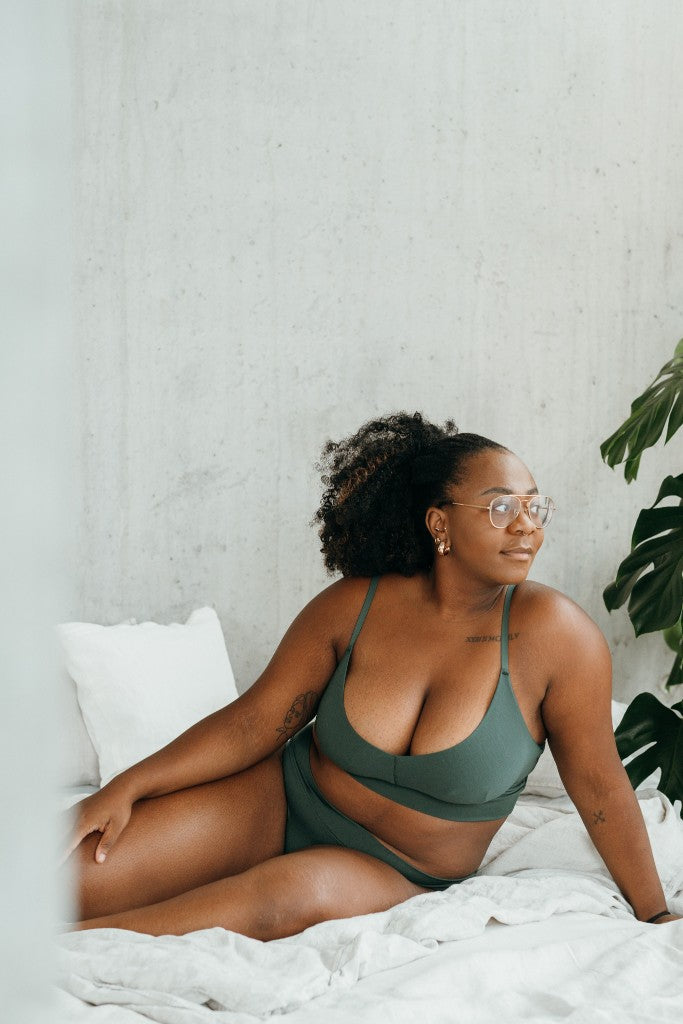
[(650, 578)]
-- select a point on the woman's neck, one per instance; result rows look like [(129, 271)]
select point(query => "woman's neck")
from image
[(456, 597)]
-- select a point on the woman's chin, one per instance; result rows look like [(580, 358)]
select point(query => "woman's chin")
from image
[(515, 570)]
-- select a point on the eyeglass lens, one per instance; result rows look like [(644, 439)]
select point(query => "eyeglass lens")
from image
[(506, 507)]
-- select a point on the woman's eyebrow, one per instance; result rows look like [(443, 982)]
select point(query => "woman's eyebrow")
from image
[(506, 490)]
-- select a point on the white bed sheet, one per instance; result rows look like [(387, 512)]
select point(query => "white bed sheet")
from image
[(572, 967), (540, 934)]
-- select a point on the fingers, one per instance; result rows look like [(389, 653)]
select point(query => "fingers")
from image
[(73, 831), (98, 813), (109, 837), (76, 838), (111, 830), (82, 829)]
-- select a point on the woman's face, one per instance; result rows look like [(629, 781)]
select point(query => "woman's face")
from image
[(492, 554)]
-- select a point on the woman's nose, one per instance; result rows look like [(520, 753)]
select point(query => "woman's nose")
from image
[(523, 522)]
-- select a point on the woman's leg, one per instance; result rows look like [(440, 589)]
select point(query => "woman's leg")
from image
[(279, 897), (183, 840)]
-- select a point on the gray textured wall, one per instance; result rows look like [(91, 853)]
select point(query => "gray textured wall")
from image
[(291, 216)]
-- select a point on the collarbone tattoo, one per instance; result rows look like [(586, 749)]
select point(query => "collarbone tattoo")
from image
[(489, 638)]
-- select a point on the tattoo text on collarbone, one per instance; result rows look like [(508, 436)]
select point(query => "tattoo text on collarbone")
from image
[(299, 713), (598, 817), (489, 638)]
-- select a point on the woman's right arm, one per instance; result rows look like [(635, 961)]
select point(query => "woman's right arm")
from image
[(276, 706)]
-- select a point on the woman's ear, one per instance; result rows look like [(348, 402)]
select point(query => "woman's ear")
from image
[(436, 523)]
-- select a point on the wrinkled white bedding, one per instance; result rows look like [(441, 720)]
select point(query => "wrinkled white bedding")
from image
[(540, 934)]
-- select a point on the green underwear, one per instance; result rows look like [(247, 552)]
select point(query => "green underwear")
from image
[(312, 821)]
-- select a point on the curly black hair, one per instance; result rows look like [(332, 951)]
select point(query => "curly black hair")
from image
[(380, 482)]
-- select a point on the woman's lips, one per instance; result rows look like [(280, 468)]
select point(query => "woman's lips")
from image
[(518, 554)]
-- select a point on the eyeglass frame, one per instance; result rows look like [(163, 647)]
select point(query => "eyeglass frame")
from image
[(521, 498)]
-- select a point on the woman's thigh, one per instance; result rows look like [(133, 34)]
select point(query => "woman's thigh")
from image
[(279, 897), (182, 840)]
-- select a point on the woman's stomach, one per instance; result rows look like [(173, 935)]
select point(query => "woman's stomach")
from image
[(448, 849)]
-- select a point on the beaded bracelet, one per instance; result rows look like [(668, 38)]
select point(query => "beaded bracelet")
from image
[(656, 917)]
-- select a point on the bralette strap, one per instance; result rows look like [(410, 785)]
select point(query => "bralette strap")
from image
[(504, 629), (364, 611)]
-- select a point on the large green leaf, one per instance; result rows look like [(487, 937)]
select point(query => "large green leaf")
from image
[(649, 412), (648, 721), (655, 597), (674, 639), (673, 636), (676, 673), (676, 417)]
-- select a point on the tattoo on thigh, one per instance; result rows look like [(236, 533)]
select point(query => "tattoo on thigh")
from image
[(598, 817), (298, 714)]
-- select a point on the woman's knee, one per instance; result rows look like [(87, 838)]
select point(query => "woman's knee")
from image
[(324, 883), (289, 893)]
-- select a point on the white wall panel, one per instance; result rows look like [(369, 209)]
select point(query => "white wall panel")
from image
[(291, 217)]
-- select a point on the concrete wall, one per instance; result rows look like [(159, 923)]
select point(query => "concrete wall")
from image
[(290, 217)]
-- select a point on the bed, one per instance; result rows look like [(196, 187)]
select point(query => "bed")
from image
[(541, 933)]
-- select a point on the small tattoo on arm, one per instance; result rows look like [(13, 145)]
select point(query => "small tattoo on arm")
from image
[(298, 714), (489, 638), (598, 817)]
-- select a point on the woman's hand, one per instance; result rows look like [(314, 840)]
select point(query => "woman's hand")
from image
[(108, 812), (667, 918)]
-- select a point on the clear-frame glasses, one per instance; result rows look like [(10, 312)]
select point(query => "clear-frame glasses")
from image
[(503, 509)]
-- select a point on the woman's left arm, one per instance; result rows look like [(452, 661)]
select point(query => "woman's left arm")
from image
[(577, 715)]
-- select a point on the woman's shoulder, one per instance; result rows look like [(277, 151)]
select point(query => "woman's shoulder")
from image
[(555, 615), (344, 592), (333, 611), (340, 603)]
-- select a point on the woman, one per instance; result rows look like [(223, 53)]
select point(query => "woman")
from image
[(437, 672)]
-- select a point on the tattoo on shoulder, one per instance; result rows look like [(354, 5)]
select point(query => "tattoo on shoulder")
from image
[(598, 817), (489, 638), (298, 714)]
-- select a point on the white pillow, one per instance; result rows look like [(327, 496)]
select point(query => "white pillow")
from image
[(140, 686), (545, 779), (77, 761), (78, 765)]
